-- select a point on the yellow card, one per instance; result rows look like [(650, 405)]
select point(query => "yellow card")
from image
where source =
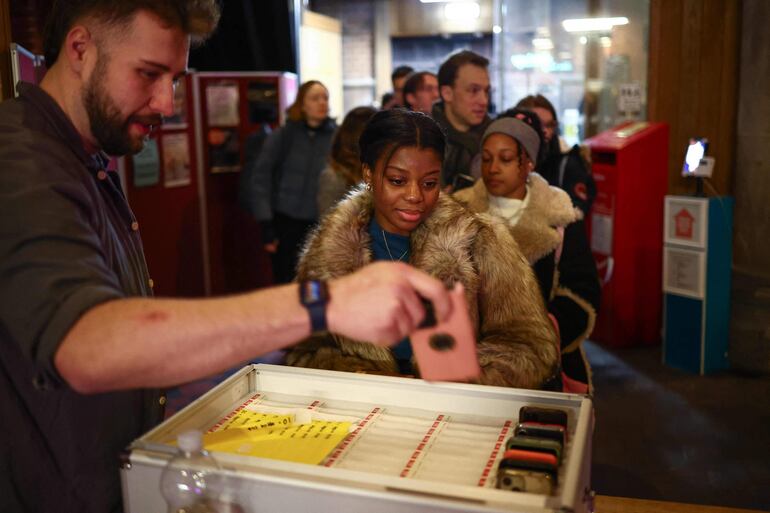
[(253, 421), (302, 443)]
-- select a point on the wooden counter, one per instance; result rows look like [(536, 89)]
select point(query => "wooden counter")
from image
[(607, 504)]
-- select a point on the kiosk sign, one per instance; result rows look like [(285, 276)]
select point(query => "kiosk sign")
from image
[(683, 224), (686, 219)]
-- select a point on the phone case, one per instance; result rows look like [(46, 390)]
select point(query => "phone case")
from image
[(531, 443), (543, 415), (527, 475), (447, 350), (524, 455), (520, 480), (549, 431)]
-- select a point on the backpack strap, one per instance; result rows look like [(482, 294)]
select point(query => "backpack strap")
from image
[(562, 168)]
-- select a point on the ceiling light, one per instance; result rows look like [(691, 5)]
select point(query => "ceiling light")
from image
[(497, 29), (593, 24), (605, 41), (458, 11)]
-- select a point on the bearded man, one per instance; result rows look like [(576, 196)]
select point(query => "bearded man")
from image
[(84, 349)]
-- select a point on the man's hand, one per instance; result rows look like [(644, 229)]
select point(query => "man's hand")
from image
[(381, 302)]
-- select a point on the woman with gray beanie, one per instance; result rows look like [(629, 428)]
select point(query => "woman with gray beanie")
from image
[(548, 229)]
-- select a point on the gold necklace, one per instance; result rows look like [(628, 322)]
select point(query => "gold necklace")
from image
[(385, 240)]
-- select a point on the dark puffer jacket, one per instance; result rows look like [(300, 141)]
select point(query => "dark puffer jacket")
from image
[(285, 177)]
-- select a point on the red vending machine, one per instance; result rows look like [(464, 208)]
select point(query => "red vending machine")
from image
[(630, 167)]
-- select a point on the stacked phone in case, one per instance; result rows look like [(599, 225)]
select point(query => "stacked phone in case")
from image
[(533, 455)]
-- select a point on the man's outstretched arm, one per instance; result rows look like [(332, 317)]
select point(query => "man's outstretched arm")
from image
[(136, 342)]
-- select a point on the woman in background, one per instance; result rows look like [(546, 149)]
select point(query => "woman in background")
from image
[(548, 230), (285, 178), (563, 166), (400, 215), (344, 169)]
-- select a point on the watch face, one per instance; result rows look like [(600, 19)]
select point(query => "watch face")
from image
[(313, 292)]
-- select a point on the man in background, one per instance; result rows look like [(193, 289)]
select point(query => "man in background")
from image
[(562, 165), (421, 91), (84, 349), (397, 78), (463, 82)]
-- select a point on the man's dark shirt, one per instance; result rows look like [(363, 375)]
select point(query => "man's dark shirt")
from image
[(68, 242), (461, 147)]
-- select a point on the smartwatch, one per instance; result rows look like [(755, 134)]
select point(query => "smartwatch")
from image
[(314, 295)]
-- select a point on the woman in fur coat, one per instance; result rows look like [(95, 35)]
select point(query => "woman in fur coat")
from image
[(548, 230), (400, 215)]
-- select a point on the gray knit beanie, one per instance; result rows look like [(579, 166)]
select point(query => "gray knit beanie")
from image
[(519, 130)]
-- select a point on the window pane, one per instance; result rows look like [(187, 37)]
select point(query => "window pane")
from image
[(586, 72)]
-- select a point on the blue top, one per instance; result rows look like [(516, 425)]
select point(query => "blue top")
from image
[(395, 247)]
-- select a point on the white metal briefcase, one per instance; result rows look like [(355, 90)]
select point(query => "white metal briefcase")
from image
[(415, 447)]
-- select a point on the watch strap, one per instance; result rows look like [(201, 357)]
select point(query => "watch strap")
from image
[(314, 296)]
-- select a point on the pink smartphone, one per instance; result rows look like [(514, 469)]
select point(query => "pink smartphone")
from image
[(447, 351)]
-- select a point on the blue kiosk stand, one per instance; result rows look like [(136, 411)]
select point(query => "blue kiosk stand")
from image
[(697, 260)]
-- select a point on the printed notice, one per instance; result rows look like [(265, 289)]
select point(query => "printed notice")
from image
[(222, 104), (630, 98), (176, 159), (683, 272), (601, 234), (276, 437), (147, 165)]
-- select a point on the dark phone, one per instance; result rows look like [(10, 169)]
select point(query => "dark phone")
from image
[(696, 150), (543, 415), (430, 315), (548, 431), (531, 443)]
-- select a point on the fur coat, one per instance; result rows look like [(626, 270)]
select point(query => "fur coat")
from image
[(551, 235), (517, 345)]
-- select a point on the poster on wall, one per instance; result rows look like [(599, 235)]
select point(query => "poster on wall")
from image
[(222, 104), (179, 118), (684, 272), (224, 150), (147, 165), (176, 160)]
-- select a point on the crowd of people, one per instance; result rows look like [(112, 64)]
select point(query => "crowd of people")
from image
[(365, 221), (514, 168)]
